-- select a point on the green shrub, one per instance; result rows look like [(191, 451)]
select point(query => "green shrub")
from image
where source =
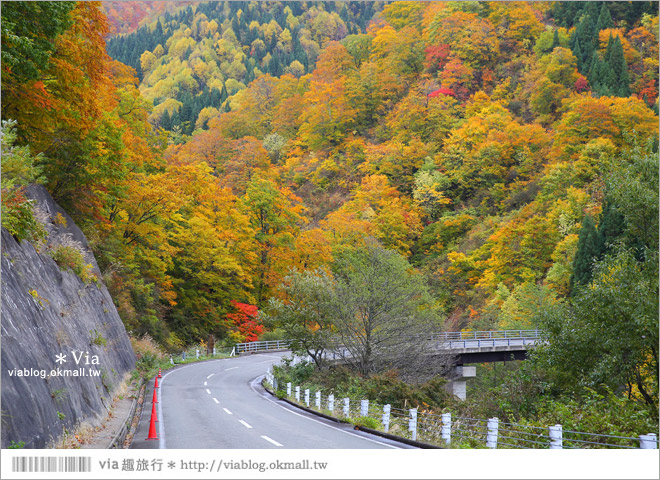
[(18, 171), (71, 257), (368, 422), (18, 216), (98, 339), (68, 257)]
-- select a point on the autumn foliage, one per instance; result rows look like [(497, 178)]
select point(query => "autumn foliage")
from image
[(248, 139), (243, 324)]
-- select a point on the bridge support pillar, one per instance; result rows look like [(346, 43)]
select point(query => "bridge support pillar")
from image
[(458, 382)]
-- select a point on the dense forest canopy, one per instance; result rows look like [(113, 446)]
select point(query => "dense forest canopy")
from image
[(503, 150)]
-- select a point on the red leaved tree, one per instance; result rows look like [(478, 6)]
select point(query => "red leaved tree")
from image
[(243, 324)]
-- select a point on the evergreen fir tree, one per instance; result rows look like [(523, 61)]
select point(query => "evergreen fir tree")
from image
[(215, 98), (612, 224), (577, 53), (275, 66), (604, 19), (165, 121), (594, 72), (590, 248), (175, 121), (555, 39), (591, 10), (186, 113), (619, 81), (583, 40)]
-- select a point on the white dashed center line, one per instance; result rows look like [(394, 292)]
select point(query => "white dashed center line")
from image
[(215, 400), (227, 411), (206, 383), (208, 391), (247, 425), (268, 439)]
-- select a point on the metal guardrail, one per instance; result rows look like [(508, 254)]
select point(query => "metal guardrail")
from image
[(449, 339), (453, 431), (488, 335), (264, 346), (118, 440)]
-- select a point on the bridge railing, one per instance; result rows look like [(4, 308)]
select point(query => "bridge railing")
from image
[(487, 335), (262, 346), (449, 339)]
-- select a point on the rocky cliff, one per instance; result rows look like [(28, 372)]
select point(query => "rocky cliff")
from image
[(64, 348)]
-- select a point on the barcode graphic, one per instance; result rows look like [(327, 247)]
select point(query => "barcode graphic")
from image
[(51, 464)]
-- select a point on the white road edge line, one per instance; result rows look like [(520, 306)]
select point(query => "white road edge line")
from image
[(161, 423), (268, 439), (206, 383), (267, 397), (245, 424), (208, 391), (227, 411), (215, 400), (232, 368), (210, 376)]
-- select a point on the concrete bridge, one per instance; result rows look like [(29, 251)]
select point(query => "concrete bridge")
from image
[(482, 347), (487, 346), (464, 347)]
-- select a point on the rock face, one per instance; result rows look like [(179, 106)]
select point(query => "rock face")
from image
[(46, 312)]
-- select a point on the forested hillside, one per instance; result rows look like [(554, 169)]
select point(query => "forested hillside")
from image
[(506, 150), (191, 61)]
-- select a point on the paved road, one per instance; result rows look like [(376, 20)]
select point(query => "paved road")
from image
[(221, 404)]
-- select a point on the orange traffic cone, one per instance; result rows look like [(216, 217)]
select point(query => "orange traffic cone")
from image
[(154, 415), (159, 375), (156, 383), (155, 399), (152, 429)]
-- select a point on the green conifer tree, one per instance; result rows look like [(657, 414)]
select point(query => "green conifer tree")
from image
[(612, 224), (619, 82), (590, 249), (604, 19), (555, 39)]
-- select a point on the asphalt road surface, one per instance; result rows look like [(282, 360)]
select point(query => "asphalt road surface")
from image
[(221, 404)]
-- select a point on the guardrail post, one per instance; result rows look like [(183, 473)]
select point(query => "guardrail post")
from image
[(331, 403), (446, 427), (649, 440), (214, 351), (556, 437), (183, 356), (171, 360), (288, 389), (347, 404), (364, 408), (491, 437), (412, 423), (307, 397), (197, 353), (297, 393), (318, 399), (386, 417)]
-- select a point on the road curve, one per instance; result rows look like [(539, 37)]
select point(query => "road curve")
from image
[(220, 404)]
